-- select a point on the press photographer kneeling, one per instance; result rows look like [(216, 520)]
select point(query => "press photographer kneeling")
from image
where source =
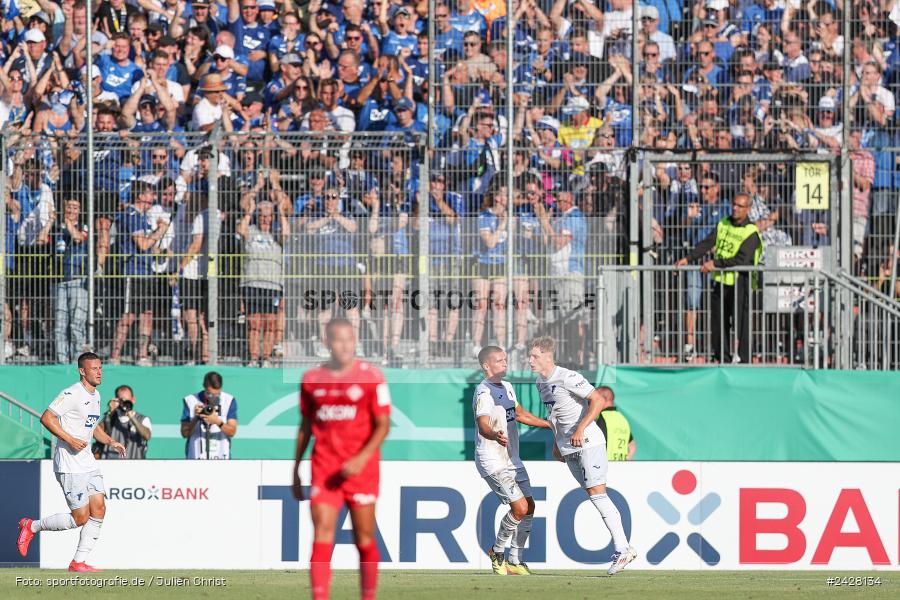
[(126, 426)]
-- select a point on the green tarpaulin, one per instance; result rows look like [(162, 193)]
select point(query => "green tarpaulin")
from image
[(688, 414)]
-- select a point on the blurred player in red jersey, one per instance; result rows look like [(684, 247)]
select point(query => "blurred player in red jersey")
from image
[(346, 406)]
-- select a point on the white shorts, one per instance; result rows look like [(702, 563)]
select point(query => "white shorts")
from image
[(79, 487), (510, 484), (589, 466)]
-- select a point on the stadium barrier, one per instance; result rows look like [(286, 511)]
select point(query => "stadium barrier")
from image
[(679, 515), (414, 280), (725, 413)]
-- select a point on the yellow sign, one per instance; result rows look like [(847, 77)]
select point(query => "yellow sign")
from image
[(812, 191)]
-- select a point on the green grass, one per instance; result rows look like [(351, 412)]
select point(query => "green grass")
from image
[(466, 585)]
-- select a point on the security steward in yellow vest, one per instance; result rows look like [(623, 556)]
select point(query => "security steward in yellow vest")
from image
[(620, 444), (737, 243)]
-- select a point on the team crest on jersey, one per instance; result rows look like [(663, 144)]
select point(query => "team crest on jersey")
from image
[(354, 392)]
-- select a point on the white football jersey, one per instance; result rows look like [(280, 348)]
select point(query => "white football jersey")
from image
[(497, 401), (563, 394), (79, 412)]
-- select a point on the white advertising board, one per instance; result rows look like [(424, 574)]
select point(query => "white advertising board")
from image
[(441, 515)]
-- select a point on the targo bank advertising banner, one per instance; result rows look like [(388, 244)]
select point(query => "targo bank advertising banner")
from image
[(441, 515)]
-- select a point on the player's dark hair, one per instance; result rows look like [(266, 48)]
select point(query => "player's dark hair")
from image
[(86, 357), (544, 343), (334, 324), (124, 387), (486, 352), (212, 380)]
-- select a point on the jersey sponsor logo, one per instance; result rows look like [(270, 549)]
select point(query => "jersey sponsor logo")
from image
[(91, 420), (318, 393), (336, 412), (354, 392), (510, 415)]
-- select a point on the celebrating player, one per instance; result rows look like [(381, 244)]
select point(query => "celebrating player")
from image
[(346, 406), (73, 418), (573, 406), (497, 458)]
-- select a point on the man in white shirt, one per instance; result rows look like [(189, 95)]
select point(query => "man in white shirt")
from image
[(497, 414), (210, 109), (649, 25), (72, 418), (573, 406)]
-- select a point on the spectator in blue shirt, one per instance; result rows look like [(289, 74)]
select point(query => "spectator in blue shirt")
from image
[(268, 17), (446, 36), (135, 240), (489, 285), (566, 233), (401, 35), (251, 36), (70, 242), (700, 219), (714, 74), (289, 41), (467, 18), (119, 72), (405, 114), (445, 248)]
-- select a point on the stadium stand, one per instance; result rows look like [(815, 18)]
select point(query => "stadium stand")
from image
[(259, 166)]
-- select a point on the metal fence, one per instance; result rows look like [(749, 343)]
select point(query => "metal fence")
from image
[(647, 118), (776, 317), (310, 226), (238, 248)]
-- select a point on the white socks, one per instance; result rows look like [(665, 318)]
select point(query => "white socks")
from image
[(508, 526), (57, 522), (520, 538), (612, 519), (90, 531)]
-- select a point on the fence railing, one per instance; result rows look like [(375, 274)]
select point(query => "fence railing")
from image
[(237, 249), (772, 316)]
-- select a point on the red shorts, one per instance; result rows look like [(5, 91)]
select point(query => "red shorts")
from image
[(330, 487)]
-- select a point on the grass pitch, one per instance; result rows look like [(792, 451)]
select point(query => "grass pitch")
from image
[(18, 584)]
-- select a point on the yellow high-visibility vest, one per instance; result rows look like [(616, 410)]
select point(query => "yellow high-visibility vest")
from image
[(728, 241), (618, 432)]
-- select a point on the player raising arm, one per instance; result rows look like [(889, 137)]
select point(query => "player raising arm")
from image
[(345, 405), (72, 417), (573, 406), (497, 413)]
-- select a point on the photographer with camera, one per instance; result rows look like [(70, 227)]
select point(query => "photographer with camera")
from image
[(209, 421), (126, 426)]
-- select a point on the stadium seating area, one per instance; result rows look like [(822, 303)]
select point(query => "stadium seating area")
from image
[(306, 123)]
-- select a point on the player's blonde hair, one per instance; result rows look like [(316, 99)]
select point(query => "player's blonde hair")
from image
[(544, 343)]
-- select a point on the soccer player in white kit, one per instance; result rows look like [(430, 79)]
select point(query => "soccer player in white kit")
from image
[(72, 417), (573, 406), (497, 413)]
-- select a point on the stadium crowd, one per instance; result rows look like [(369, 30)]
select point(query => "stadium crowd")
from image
[(185, 89)]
